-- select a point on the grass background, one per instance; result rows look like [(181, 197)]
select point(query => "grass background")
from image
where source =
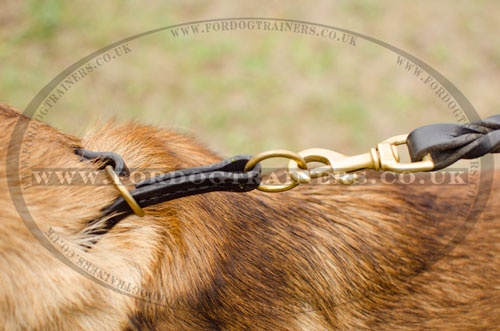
[(243, 91)]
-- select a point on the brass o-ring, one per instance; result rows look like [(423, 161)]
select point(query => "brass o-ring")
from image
[(123, 191), (271, 154)]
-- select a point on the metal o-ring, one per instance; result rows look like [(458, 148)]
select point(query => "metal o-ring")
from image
[(271, 154)]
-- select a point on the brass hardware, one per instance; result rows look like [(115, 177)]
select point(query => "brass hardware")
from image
[(335, 163), (384, 157), (303, 177), (389, 159), (123, 191)]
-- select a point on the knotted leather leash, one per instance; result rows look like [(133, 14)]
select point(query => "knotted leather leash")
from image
[(447, 143), (431, 147)]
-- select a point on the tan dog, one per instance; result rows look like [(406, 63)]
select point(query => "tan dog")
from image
[(315, 258)]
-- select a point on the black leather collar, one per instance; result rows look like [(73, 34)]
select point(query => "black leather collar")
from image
[(227, 175)]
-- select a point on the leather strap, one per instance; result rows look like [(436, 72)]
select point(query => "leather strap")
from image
[(109, 158), (227, 175), (448, 143)]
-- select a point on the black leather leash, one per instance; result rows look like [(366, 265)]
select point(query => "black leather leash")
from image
[(227, 175), (446, 143)]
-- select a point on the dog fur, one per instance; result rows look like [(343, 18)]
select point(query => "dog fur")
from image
[(319, 257)]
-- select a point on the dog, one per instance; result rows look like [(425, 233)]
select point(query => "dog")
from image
[(318, 257)]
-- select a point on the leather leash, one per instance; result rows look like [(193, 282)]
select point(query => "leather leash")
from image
[(447, 143), (431, 147), (227, 175)]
